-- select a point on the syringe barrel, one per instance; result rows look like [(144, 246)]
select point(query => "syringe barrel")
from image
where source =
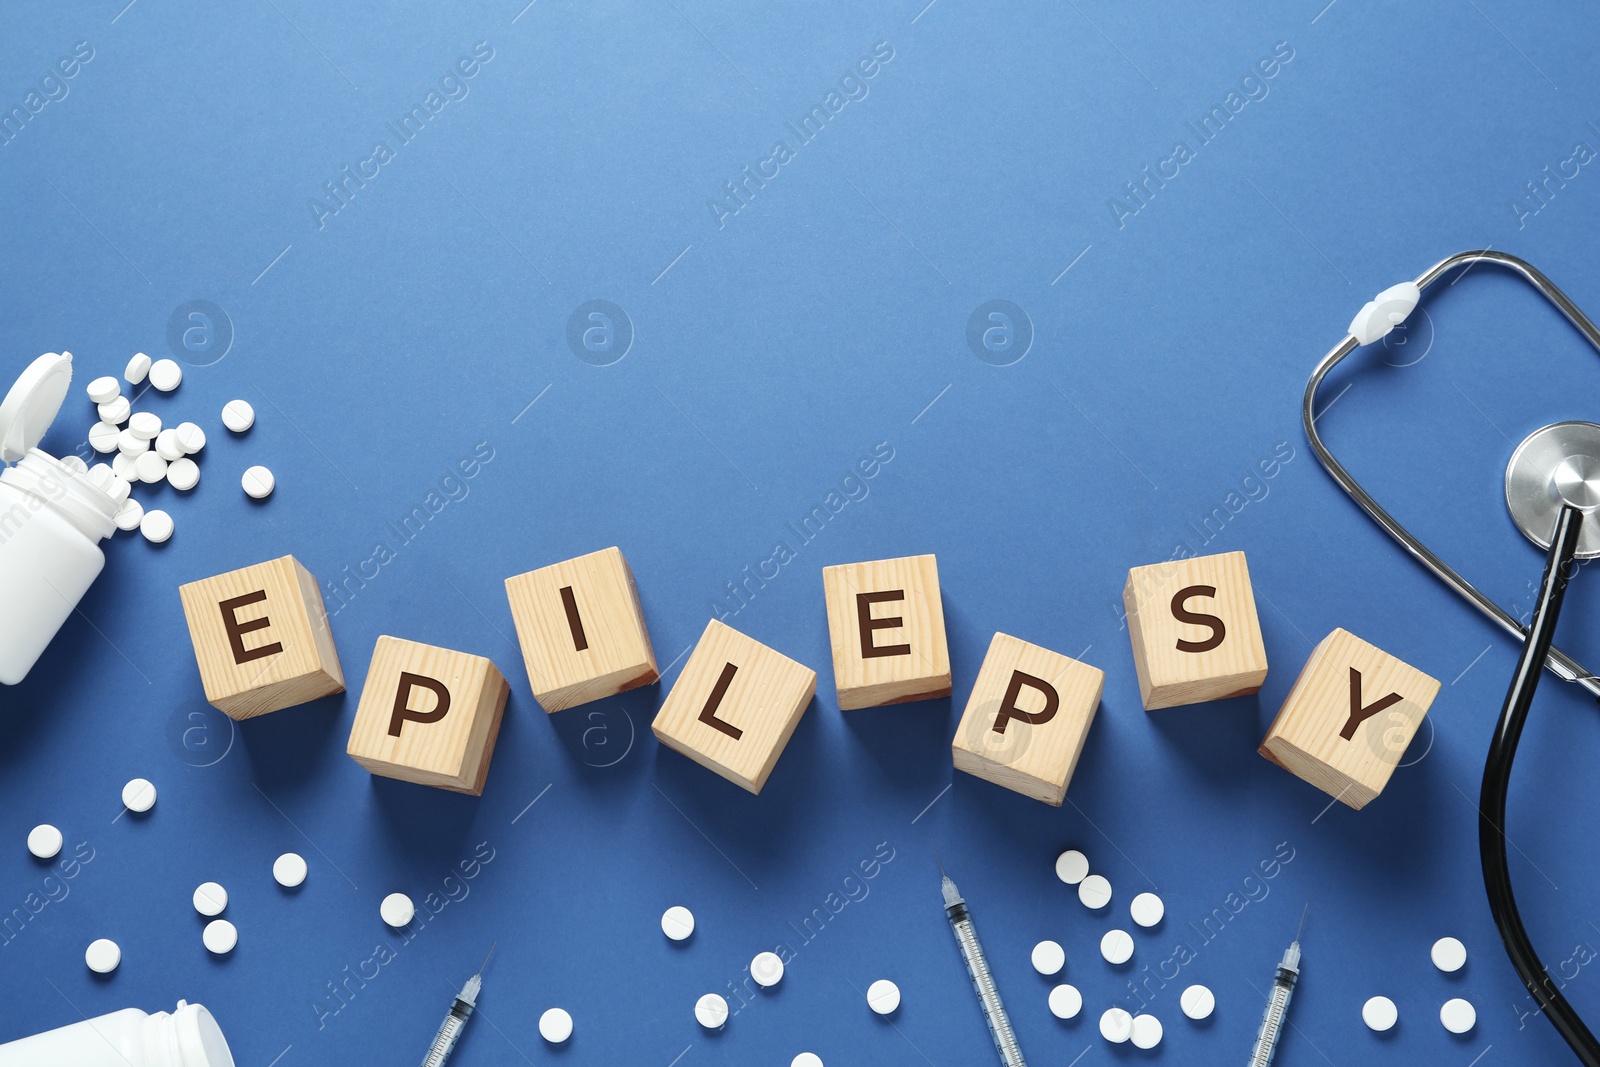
[(994, 1012), (1272, 1020)]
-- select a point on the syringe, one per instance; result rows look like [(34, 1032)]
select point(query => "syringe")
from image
[(994, 1012), (1283, 984), (444, 1043)]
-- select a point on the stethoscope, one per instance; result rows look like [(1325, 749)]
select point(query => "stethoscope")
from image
[(1553, 492)]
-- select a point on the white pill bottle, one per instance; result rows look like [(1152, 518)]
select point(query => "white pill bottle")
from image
[(187, 1037), (52, 520)]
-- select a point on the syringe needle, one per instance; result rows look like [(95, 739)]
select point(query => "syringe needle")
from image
[(485, 962)]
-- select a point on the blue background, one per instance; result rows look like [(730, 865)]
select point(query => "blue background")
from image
[(768, 354)]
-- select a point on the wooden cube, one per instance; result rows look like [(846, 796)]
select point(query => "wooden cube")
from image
[(428, 715), (735, 706), (1027, 718), (261, 638), (1348, 718), (1194, 629), (886, 623), (581, 630)]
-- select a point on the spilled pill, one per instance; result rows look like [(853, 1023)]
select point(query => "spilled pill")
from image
[(711, 1011), (102, 956), (555, 1025), (44, 841), (1116, 1025), (1380, 1014), (1116, 947), (103, 437), (806, 1059), (1146, 1031), (139, 795), (150, 467), (1448, 954), (767, 969), (1094, 892), (115, 411), (1197, 1002), (166, 375), (883, 997), (1147, 910), (1048, 958), (677, 922), (191, 437), (122, 467), (397, 910), (258, 483), (130, 513), (145, 424), (220, 936), (289, 870), (1458, 1016), (183, 474), (1065, 1001), (238, 415), (210, 899), (1072, 866), (168, 445), (156, 526), (138, 369), (104, 390), (131, 444)]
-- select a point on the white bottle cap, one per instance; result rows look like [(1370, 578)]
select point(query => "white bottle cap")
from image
[(33, 403)]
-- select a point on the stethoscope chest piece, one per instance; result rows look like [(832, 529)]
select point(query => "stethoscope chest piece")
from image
[(1558, 464)]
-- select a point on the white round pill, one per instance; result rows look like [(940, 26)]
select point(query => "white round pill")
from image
[(73, 463), (1048, 958), (1094, 891), (210, 899), (115, 411), (131, 444), (1380, 1014), (44, 841), (1116, 947), (1116, 1025), (156, 526), (1146, 1031), (130, 513), (150, 467), (806, 1059), (138, 369), (1072, 866), (258, 483), (103, 437), (118, 489), (883, 996), (767, 969), (100, 475), (677, 922), (219, 937), (104, 390), (168, 446), (102, 956), (1197, 1002), (166, 375), (139, 795), (145, 424), (1458, 1016), (1065, 1002), (1449, 954), (238, 415), (183, 474), (711, 1011), (555, 1025), (397, 910), (191, 437), (289, 870), (1147, 909), (122, 466)]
